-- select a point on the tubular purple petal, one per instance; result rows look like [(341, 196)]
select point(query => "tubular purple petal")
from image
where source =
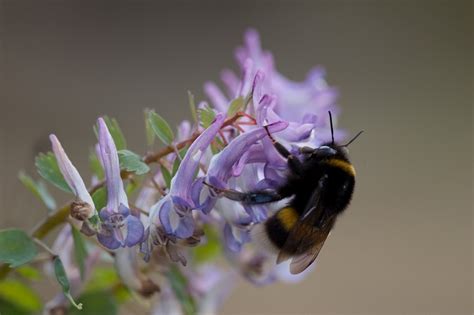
[(115, 192), (220, 168), (181, 183), (216, 96), (70, 173)]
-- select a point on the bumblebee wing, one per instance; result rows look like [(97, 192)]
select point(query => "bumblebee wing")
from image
[(300, 263), (305, 235)]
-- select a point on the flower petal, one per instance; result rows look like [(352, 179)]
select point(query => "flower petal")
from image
[(182, 182), (70, 173), (107, 238), (135, 231), (115, 192), (220, 168)]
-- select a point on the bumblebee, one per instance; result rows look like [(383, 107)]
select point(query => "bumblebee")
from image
[(320, 186)]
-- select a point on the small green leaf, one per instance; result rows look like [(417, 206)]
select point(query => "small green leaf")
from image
[(63, 281), (115, 132), (80, 251), (95, 165), (132, 162), (161, 128), (28, 272), (210, 249), (16, 247), (166, 176), (100, 198), (179, 286), (207, 116), (20, 295), (97, 302), (235, 106), (48, 168), (102, 278), (39, 189), (192, 106), (150, 134)]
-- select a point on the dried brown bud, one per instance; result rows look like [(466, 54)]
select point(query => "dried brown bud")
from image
[(148, 288), (81, 210)]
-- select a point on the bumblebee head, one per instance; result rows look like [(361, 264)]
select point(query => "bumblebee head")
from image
[(330, 149)]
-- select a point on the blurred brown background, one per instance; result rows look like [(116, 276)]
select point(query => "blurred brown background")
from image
[(405, 72)]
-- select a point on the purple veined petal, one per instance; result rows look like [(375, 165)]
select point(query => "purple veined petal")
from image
[(70, 173), (164, 214), (176, 225), (182, 182), (273, 174), (196, 192), (216, 96), (235, 237), (231, 82), (257, 213), (115, 192), (107, 238), (135, 231), (220, 168)]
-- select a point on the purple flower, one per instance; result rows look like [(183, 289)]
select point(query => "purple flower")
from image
[(83, 208), (120, 227), (173, 212)]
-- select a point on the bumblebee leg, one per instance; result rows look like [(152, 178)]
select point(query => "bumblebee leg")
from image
[(293, 162), (251, 198)]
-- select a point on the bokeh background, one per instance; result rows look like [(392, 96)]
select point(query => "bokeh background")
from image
[(404, 69)]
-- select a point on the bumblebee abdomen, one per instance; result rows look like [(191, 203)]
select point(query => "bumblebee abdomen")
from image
[(278, 226)]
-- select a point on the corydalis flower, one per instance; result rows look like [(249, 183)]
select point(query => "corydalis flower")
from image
[(171, 218), (120, 227), (83, 207)]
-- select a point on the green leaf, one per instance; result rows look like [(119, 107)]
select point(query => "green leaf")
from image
[(48, 168), (235, 106), (132, 162), (150, 134), (7, 307), (39, 189), (161, 128), (63, 281), (100, 198), (95, 165), (115, 132), (207, 116), (20, 295), (80, 251), (166, 176), (192, 106), (209, 250), (97, 302), (179, 286), (102, 278), (28, 272), (16, 247)]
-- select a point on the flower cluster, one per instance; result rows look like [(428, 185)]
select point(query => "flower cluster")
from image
[(170, 236)]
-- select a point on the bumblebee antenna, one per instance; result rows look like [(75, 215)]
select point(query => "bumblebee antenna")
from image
[(352, 140), (332, 128)]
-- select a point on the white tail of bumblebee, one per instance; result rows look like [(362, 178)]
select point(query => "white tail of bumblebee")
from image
[(261, 240)]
